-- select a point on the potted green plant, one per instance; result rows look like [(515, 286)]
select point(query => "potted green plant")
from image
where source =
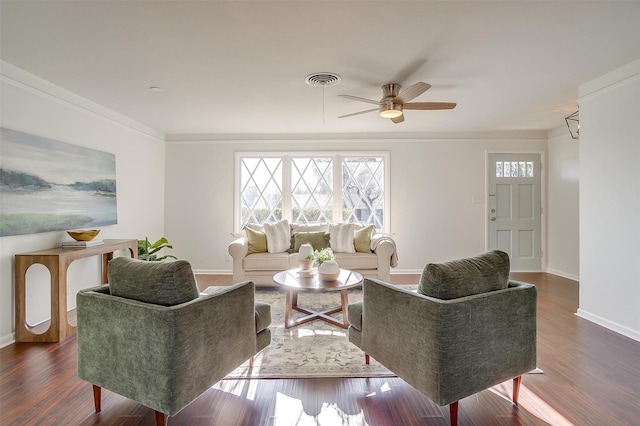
[(328, 268), (321, 256), (148, 251)]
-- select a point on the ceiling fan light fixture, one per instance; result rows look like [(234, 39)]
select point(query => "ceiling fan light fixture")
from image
[(390, 110), (390, 113)]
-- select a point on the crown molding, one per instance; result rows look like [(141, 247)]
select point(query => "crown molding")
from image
[(22, 79), (610, 81), (355, 137)]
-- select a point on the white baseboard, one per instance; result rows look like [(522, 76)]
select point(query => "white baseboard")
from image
[(11, 338), (406, 271), (212, 272), (7, 340), (548, 270), (611, 325), (393, 272), (229, 272), (562, 274)]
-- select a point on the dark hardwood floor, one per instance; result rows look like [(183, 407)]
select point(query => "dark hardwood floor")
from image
[(591, 377)]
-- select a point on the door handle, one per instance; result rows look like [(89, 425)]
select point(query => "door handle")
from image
[(492, 219)]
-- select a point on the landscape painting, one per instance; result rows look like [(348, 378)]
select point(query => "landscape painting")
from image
[(48, 185)]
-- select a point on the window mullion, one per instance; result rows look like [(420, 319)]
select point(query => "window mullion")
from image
[(387, 194), (337, 188), (287, 209), (237, 194)]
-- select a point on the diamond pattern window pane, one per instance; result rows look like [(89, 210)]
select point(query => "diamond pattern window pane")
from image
[(260, 190), (363, 190), (312, 190)]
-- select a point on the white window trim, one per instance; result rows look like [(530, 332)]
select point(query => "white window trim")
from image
[(337, 180)]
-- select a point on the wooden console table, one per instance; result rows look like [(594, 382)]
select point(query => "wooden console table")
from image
[(57, 261)]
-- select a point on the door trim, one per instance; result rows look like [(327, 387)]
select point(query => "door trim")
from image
[(543, 201)]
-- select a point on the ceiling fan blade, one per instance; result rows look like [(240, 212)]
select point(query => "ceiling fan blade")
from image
[(429, 105), (358, 113), (410, 69), (357, 98), (398, 119), (411, 92)]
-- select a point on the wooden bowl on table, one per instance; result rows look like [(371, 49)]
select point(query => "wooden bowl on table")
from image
[(84, 235)]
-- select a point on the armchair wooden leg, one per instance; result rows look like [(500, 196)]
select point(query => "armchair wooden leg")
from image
[(453, 413), (97, 398), (516, 389), (366, 359), (251, 362), (161, 419)]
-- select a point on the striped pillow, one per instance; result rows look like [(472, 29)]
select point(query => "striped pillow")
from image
[(278, 236), (341, 237)]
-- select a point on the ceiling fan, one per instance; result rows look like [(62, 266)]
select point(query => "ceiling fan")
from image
[(394, 101)]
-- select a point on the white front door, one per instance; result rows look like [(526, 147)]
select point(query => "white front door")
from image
[(515, 211)]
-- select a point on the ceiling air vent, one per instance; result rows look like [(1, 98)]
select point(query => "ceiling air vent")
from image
[(322, 79)]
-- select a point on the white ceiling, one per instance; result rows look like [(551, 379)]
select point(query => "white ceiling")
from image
[(238, 67)]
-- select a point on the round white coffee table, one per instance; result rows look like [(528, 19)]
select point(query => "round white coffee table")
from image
[(294, 282)]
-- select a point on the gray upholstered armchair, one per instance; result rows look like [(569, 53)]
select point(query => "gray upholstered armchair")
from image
[(466, 329), (152, 337)]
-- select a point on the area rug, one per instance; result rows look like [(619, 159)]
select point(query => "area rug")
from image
[(313, 349)]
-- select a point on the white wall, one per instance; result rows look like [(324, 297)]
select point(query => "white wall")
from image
[(433, 183), (563, 233), (31, 105), (610, 200)]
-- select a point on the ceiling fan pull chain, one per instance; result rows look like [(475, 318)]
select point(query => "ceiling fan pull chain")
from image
[(322, 79)]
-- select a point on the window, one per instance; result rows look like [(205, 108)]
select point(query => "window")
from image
[(312, 188), (523, 169)]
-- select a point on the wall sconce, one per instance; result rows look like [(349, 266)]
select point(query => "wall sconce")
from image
[(573, 124)]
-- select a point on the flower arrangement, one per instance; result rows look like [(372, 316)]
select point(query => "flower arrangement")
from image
[(320, 256)]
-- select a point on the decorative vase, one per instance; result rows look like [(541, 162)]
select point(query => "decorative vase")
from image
[(305, 251), (329, 270)]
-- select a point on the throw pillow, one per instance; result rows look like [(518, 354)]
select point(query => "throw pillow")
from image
[(341, 237), (465, 277), (254, 226), (296, 227), (256, 239), (362, 239), (160, 283), (278, 236), (318, 240)]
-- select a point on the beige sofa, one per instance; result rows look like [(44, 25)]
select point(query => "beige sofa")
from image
[(260, 267)]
